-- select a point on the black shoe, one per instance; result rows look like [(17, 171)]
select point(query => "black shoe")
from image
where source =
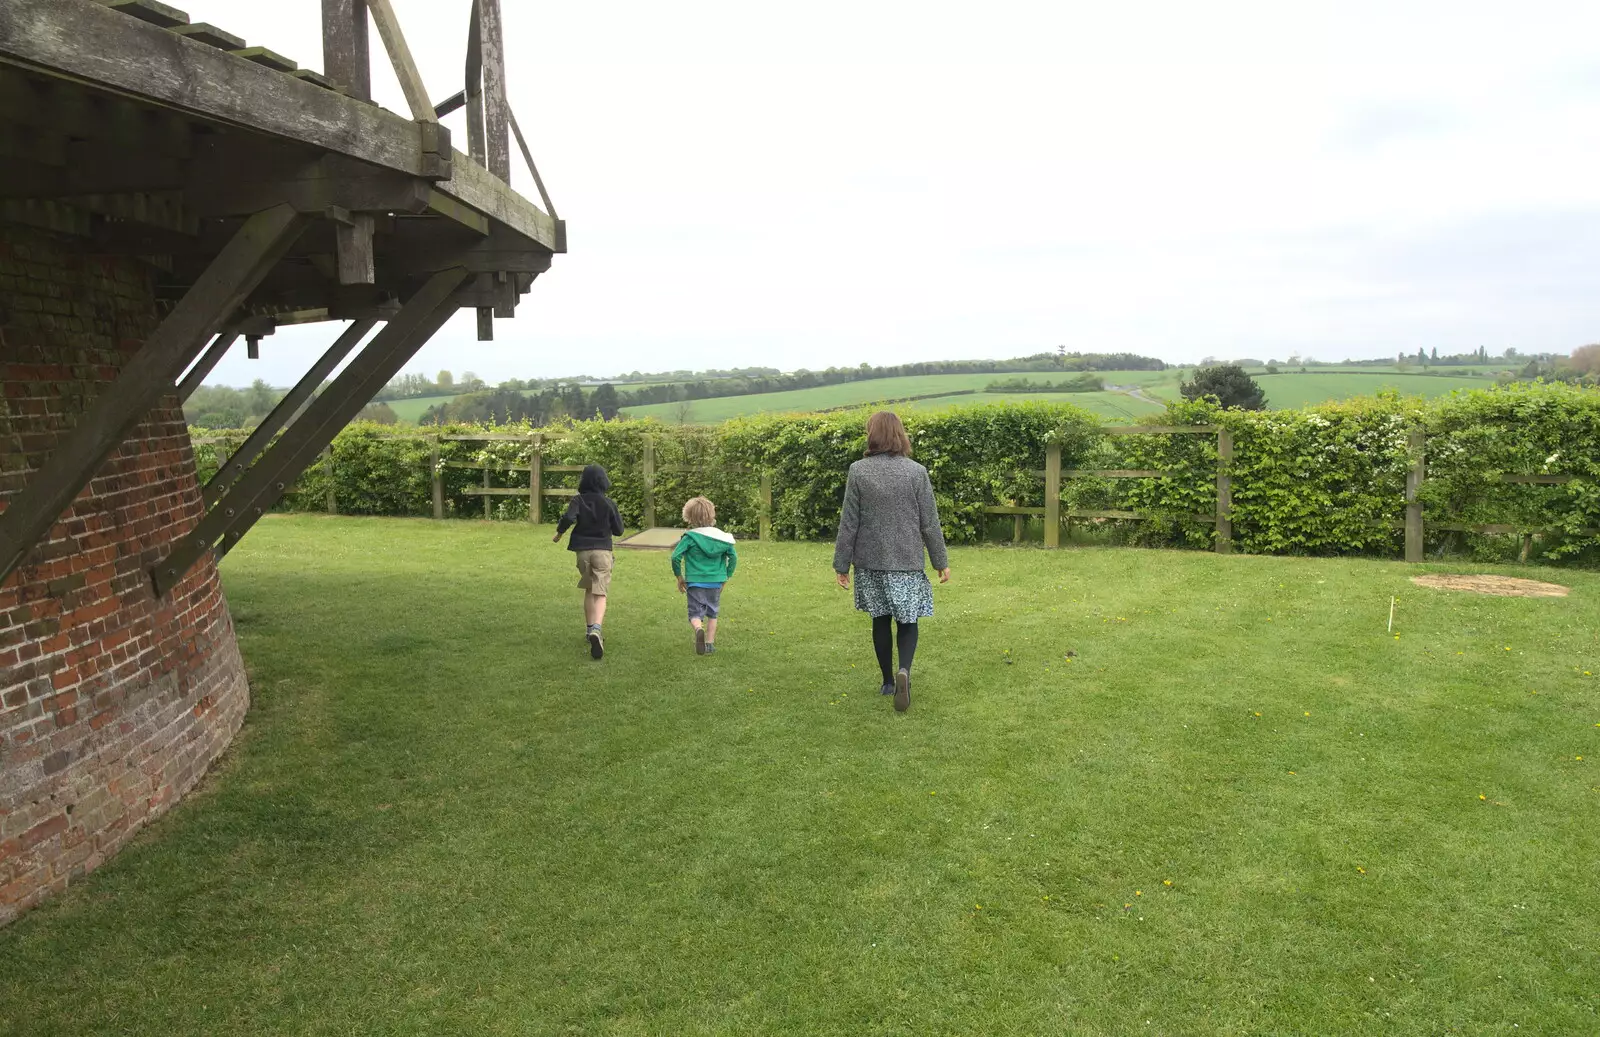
[(902, 691), (700, 641), (711, 646), (597, 645), (887, 689)]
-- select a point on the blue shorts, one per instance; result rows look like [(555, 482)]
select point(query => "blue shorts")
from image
[(704, 602)]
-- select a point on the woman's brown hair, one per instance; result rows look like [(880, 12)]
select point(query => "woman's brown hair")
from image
[(886, 435)]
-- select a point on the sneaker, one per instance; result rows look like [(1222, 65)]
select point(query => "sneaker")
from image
[(887, 689), (902, 691), (711, 646), (597, 645), (700, 646)]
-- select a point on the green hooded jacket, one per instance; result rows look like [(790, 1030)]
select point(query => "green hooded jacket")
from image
[(705, 555)]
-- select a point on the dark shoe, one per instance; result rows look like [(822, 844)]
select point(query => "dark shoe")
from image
[(597, 645), (902, 691), (700, 641), (887, 689), (711, 646)]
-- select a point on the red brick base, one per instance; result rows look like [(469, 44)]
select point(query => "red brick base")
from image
[(112, 702)]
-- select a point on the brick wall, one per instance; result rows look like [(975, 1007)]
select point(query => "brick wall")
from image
[(112, 703)]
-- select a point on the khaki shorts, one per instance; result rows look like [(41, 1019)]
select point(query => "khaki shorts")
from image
[(594, 571)]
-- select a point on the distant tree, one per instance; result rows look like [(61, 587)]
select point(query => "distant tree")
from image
[(445, 380), (1435, 355), (380, 412), (1422, 357), (470, 382), (605, 401), (1228, 384), (1585, 360)]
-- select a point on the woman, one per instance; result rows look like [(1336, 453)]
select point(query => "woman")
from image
[(889, 517)]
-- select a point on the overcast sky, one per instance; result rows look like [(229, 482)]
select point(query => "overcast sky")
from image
[(802, 185)]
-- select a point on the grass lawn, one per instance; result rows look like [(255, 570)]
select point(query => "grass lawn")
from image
[(1241, 808), (1113, 406)]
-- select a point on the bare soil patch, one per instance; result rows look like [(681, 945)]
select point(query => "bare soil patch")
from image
[(1482, 583)]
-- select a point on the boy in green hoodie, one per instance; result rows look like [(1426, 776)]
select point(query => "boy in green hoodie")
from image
[(703, 561)]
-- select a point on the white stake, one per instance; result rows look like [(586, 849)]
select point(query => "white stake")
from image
[(1392, 600)]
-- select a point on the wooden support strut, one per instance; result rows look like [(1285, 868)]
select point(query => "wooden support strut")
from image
[(1224, 492), (206, 364), (405, 69), (1414, 478), (345, 54), (260, 487), (1052, 495), (214, 297), (496, 111), (286, 409)]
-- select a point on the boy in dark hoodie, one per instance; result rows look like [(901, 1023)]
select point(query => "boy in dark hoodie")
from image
[(703, 561), (594, 520)]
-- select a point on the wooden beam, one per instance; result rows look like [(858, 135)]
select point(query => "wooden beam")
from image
[(473, 92), (353, 242), (476, 186), (450, 104), (265, 482), (204, 366), (496, 112), (170, 348), (1414, 479), (286, 409), (88, 41), (405, 69), (345, 56), (151, 11)]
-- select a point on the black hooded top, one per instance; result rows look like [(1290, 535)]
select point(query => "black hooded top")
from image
[(592, 515)]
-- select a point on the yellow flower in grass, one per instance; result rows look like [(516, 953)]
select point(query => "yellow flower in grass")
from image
[(1138, 892), (1166, 882), (1483, 797), (1360, 869)]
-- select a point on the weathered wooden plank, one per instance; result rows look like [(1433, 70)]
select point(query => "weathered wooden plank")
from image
[(1224, 516), (435, 470), (450, 104), (1540, 480), (1414, 478), (315, 78), (211, 36), (564, 467), (477, 147), (345, 51), (1117, 514), (1118, 473), (1052, 495), (494, 491), (235, 272), (489, 437), (1509, 528), (764, 527), (560, 493), (444, 205), (206, 364), (353, 245), (649, 466), (475, 186), (85, 39), (405, 68), (1140, 430), (267, 59), (1001, 509), (495, 109), (151, 11)]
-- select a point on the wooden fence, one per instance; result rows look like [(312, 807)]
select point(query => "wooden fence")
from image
[(1054, 515)]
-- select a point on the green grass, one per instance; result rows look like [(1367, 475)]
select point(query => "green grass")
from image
[(443, 818), (1293, 390), (1110, 405), (410, 411)]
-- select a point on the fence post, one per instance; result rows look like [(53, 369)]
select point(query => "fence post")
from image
[(536, 481), (488, 513), (333, 497), (1224, 492), (438, 482), (1419, 468), (649, 482), (1052, 495), (766, 505)]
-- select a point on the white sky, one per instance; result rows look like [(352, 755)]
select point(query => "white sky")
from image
[(834, 182)]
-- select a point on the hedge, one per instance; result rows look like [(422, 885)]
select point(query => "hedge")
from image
[(1328, 479)]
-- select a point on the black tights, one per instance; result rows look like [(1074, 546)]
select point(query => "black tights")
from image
[(906, 635)]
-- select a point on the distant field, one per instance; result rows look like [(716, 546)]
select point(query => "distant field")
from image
[(410, 411), (1288, 391), (1112, 405), (822, 397)]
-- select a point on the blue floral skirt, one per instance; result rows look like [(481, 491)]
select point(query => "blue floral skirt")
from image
[(907, 596)]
